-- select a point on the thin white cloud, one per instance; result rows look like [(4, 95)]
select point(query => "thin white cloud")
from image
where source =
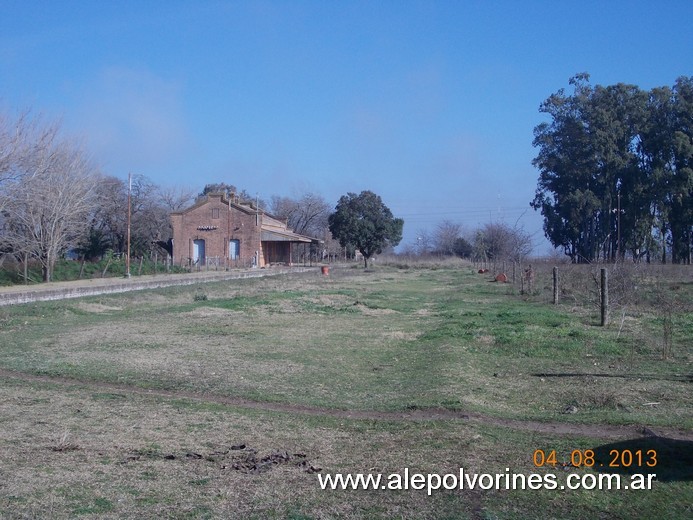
[(133, 119)]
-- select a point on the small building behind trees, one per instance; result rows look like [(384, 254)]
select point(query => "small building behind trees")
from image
[(222, 230)]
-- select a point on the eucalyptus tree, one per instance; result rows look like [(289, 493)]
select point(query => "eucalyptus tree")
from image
[(681, 197), (567, 194), (615, 170), (666, 159)]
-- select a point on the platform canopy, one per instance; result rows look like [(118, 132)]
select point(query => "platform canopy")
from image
[(274, 235)]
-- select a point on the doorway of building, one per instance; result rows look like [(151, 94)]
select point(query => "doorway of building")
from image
[(198, 252), (234, 249)]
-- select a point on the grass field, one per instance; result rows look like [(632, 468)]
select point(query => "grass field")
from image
[(227, 400)]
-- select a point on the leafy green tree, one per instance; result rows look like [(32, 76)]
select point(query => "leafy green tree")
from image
[(93, 246), (681, 196), (462, 248), (666, 158), (229, 189), (566, 194), (364, 222), (615, 170), (615, 120), (656, 159), (219, 187)]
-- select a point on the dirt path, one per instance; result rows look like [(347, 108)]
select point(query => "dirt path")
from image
[(595, 431)]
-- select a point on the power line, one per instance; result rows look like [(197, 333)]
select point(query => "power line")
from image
[(468, 211)]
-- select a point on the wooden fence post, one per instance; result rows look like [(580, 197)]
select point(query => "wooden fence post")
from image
[(605, 297), (555, 285), (105, 269)]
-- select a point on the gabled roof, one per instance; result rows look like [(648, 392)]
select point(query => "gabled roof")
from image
[(206, 199)]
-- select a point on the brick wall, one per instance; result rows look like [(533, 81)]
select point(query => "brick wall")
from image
[(212, 220)]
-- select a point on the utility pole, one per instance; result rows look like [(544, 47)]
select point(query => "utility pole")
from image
[(228, 228), (618, 228), (127, 254)]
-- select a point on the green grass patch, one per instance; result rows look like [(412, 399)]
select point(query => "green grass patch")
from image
[(390, 340)]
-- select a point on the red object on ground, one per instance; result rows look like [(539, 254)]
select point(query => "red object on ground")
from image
[(325, 270), (501, 278)]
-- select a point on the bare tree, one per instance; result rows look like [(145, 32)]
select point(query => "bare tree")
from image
[(10, 141), (423, 242), (150, 223), (331, 249), (23, 141), (176, 198), (498, 241), (445, 237), (47, 205), (283, 207), (109, 219), (520, 244), (306, 215)]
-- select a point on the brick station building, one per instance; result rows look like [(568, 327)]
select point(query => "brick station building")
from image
[(219, 229)]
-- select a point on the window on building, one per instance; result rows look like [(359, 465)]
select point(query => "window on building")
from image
[(215, 212)]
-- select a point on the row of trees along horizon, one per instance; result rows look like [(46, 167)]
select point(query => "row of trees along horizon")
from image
[(604, 149)]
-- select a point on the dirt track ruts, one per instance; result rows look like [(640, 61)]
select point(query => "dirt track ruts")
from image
[(598, 431)]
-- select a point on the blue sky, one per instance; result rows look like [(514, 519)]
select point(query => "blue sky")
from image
[(429, 104)]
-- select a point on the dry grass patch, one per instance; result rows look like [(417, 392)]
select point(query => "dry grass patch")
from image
[(398, 335), (131, 456), (368, 311), (71, 452), (97, 307), (212, 312)]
